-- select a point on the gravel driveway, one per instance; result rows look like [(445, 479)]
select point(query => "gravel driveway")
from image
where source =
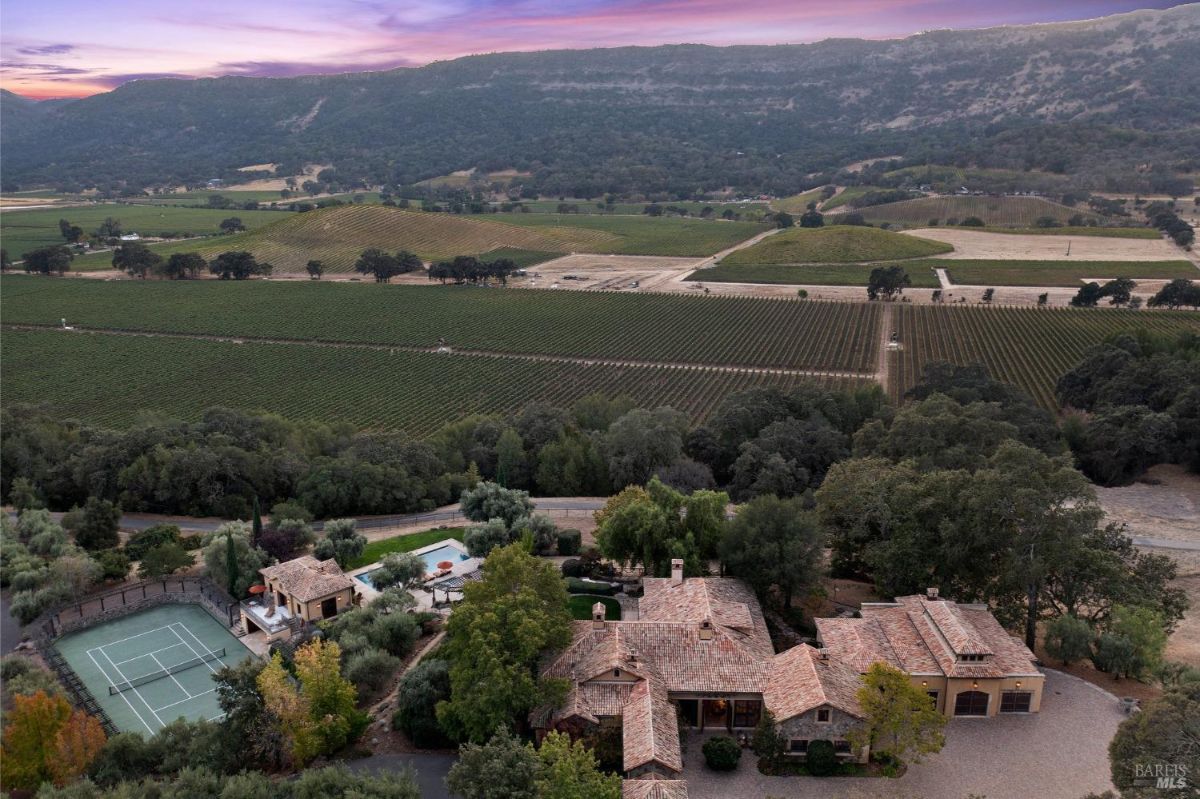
[(1060, 753)]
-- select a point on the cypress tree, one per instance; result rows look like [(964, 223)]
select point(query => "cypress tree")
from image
[(256, 535), (231, 565)]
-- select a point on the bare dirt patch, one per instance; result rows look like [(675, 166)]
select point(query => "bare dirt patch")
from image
[(606, 272), (1016, 247), (1166, 504)]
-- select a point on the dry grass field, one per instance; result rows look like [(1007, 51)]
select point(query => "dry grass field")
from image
[(973, 244)]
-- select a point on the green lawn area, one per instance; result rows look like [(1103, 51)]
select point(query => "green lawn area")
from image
[(375, 550), (808, 274), (581, 606), (1058, 273), (23, 231), (646, 235), (836, 244)]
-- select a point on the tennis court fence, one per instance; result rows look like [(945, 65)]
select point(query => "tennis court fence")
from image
[(138, 596)]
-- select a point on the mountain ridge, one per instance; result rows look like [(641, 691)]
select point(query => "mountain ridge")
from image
[(681, 119)]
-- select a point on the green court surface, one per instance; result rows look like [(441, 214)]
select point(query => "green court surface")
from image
[(150, 668)]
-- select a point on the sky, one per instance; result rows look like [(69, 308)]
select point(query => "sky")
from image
[(75, 48)]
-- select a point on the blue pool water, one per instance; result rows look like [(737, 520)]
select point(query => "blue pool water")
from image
[(432, 558)]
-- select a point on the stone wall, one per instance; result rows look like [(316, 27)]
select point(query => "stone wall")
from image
[(806, 727)]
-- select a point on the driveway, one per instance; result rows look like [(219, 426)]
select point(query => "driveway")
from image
[(1060, 753), (430, 768)]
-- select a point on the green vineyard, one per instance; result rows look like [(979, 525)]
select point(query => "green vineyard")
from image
[(127, 376), (739, 331), (1027, 347), (838, 244), (998, 211), (646, 235)]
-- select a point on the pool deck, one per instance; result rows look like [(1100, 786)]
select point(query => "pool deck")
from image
[(424, 598)]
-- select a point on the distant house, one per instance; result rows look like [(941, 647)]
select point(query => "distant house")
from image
[(215, 183), (130, 237), (298, 592), (699, 655)]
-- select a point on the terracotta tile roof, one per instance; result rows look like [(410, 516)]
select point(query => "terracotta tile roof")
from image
[(672, 653), (305, 578), (654, 789), (650, 729), (726, 602), (919, 636), (802, 680)]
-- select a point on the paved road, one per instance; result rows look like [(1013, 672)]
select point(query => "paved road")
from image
[(140, 521), (431, 770), (1165, 543)]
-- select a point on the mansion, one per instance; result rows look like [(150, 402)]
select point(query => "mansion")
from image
[(699, 655)]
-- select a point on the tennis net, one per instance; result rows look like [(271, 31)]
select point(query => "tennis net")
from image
[(192, 663)]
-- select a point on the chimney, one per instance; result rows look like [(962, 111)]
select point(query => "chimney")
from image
[(931, 594), (676, 571), (706, 630), (822, 654), (598, 616)]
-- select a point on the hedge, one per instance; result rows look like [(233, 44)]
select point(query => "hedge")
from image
[(569, 542)]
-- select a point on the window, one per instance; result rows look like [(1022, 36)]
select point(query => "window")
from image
[(823, 715), (616, 673), (971, 658), (971, 703), (1015, 701), (798, 746), (841, 747), (933, 697), (746, 712)]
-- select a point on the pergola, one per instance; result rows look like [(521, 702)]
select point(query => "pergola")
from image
[(452, 583)]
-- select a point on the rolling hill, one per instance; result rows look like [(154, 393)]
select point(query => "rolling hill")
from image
[(1098, 99), (337, 236), (994, 211)]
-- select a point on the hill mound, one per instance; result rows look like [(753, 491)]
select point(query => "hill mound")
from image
[(997, 211), (839, 244), (338, 235)]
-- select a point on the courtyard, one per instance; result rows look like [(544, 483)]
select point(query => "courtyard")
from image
[(1059, 753)]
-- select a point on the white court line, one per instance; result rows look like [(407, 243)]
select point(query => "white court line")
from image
[(149, 729), (207, 651), (186, 692), (121, 674), (130, 638), (151, 653), (193, 696)]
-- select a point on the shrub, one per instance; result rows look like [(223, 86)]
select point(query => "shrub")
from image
[(370, 671), (291, 509), (538, 526), (569, 542), (572, 567), (577, 586), (821, 759), (971, 221), (143, 541), (1069, 638), (722, 753), (114, 564), (416, 703), (481, 539)]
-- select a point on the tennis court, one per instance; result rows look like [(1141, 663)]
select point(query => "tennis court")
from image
[(150, 668)]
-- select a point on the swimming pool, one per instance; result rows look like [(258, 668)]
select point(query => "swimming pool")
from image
[(431, 557)]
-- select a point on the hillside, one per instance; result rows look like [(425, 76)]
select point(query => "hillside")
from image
[(337, 236), (998, 211), (839, 244), (1096, 99)]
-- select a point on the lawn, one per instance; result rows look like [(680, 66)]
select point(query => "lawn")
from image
[(809, 274), (375, 550), (1058, 273), (23, 231), (837, 244), (581, 606), (646, 235)]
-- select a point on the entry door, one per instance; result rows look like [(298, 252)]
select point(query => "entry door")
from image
[(716, 713), (329, 608)]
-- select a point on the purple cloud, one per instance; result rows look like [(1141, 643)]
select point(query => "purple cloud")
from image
[(46, 49)]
